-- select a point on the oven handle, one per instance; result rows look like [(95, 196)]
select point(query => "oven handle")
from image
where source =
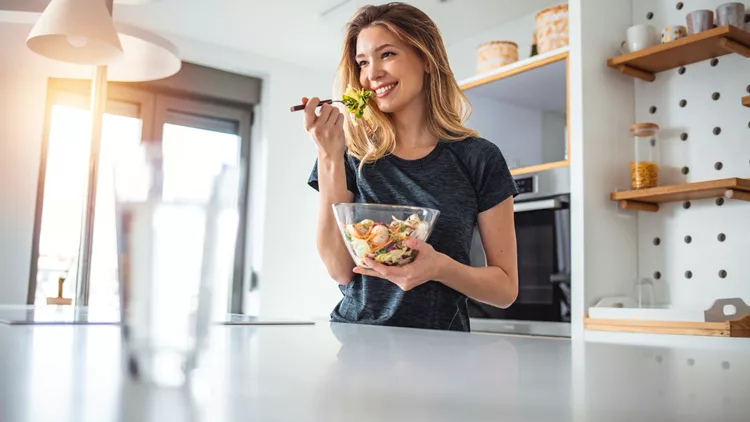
[(545, 204)]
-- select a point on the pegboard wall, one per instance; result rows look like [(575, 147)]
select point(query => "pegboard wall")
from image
[(696, 251)]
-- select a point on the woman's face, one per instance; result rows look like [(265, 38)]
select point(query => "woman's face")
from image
[(390, 68)]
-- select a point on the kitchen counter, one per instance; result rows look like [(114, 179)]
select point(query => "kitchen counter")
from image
[(343, 372)]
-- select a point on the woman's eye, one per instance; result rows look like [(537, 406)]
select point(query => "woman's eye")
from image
[(362, 63), (388, 53)]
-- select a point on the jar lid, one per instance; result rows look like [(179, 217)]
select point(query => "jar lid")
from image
[(644, 128)]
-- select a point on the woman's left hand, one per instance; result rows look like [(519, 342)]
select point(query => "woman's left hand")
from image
[(424, 268)]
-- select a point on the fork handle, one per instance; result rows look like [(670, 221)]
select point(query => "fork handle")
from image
[(302, 106)]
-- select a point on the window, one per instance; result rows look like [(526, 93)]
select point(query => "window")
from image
[(196, 137)]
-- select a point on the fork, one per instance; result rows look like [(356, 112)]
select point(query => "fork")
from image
[(302, 106)]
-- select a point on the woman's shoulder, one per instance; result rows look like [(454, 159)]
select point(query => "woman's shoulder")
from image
[(475, 148)]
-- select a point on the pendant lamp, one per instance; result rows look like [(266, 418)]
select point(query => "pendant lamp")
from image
[(76, 31)]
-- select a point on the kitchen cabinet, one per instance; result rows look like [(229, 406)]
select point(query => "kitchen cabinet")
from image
[(523, 108)]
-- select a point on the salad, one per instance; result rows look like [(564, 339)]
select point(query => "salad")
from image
[(385, 242), (356, 100)]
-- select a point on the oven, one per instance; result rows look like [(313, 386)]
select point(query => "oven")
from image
[(542, 222)]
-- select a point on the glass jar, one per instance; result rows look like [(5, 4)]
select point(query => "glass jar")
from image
[(644, 168)]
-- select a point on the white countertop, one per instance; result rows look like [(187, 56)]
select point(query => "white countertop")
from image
[(343, 372)]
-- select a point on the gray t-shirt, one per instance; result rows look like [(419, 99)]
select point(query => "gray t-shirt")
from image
[(459, 178)]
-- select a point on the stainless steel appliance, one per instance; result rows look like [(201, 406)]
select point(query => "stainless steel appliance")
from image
[(542, 222)]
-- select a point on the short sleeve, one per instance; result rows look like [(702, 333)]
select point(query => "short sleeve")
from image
[(351, 176), (493, 181)]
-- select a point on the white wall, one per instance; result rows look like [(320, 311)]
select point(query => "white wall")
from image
[(516, 130), (463, 54), (603, 240), (553, 136), (292, 282)]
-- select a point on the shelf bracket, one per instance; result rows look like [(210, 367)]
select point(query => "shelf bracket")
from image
[(638, 206), (636, 73), (737, 194), (735, 47)]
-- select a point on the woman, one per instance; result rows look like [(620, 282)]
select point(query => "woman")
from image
[(411, 150)]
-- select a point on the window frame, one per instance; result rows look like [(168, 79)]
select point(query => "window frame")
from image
[(153, 101)]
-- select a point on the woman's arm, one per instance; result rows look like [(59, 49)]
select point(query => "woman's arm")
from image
[(331, 248), (497, 283), (327, 130)]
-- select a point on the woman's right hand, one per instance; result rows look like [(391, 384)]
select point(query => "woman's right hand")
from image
[(326, 128)]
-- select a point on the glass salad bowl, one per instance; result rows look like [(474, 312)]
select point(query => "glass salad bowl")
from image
[(380, 231)]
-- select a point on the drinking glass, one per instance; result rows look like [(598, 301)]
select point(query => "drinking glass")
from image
[(171, 252)]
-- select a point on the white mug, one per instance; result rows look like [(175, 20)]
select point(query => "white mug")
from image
[(640, 37)]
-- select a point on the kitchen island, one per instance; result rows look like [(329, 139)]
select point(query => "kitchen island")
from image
[(344, 372)]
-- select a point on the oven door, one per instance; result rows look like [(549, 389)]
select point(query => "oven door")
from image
[(543, 244)]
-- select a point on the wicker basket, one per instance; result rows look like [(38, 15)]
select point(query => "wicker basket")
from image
[(552, 28), (494, 54)]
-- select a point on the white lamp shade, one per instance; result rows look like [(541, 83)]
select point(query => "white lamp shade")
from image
[(147, 56), (76, 31)]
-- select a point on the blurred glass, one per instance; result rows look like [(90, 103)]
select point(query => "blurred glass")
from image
[(172, 252), (643, 292)]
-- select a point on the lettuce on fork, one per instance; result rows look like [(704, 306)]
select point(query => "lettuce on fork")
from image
[(356, 100)]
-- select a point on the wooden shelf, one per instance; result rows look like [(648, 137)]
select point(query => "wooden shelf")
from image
[(746, 101), (647, 199), (738, 328), (514, 68), (644, 64)]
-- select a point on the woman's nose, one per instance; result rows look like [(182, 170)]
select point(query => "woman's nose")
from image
[(375, 72)]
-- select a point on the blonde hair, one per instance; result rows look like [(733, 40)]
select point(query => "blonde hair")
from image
[(374, 136)]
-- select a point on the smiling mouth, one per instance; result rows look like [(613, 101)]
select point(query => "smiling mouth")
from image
[(385, 90)]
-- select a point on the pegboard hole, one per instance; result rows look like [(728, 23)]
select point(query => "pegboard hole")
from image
[(679, 5), (657, 275), (683, 103), (719, 201), (718, 165), (717, 130), (652, 109), (722, 237), (688, 274), (657, 241), (714, 62), (715, 96), (691, 362), (748, 89), (649, 15), (686, 204), (684, 136), (685, 170), (688, 239), (653, 142), (722, 274), (681, 70), (725, 365)]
